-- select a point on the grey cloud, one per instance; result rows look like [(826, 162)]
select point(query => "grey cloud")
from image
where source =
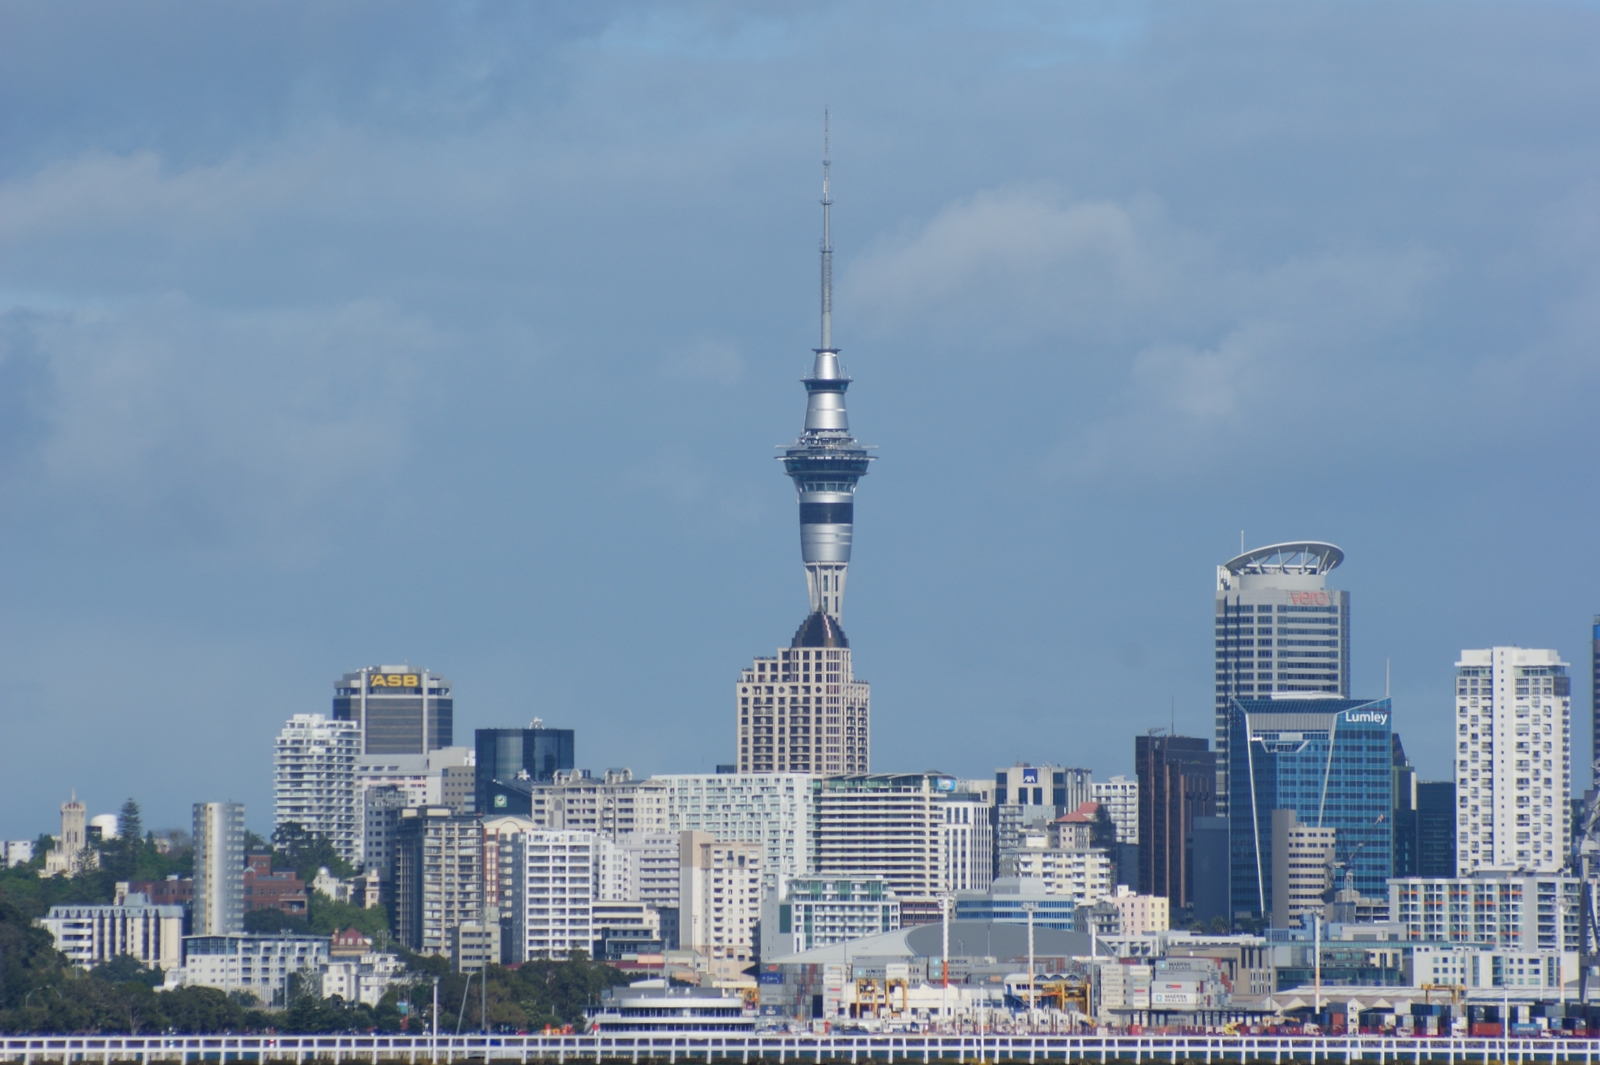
[(163, 418)]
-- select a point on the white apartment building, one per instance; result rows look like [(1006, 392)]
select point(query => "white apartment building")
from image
[(1513, 760), (499, 867), (967, 839), (91, 935), (257, 965), (218, 908), (438, 881), (553, 893), (817, 912), (772, 809), (611, 806), (16, 852), (1477, 968), (1083, 875), (313, 780), (898, 827), (803, 710), (639, 867), (1504, 911), (1120, 797), (719, 900), (365, 979)]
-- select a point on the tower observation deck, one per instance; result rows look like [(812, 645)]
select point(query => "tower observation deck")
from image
[(826, 461)]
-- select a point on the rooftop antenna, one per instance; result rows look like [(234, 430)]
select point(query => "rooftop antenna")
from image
[(827, 243)]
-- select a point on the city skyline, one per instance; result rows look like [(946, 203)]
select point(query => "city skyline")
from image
[(506, 417)]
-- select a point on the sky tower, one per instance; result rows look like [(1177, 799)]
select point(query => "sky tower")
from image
[(826, 462), (803, 710)]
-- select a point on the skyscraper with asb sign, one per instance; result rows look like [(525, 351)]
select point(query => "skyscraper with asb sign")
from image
[(1281, 632)]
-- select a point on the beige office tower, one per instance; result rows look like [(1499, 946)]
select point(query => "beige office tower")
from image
[(719, 899), (1513, 761), (1281, 632), (802, 710)]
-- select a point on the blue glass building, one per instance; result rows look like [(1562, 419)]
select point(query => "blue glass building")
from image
[(1329, 761)]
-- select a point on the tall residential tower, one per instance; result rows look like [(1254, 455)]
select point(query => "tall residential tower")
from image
[(1513, 752), (794, 714), (1279, 629)]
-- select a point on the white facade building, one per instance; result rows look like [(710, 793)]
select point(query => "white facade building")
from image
[(611, 806), (803, 710), (1081, 874), (719, 900), (16, 852), (313, 780), (1477, 968), (365, 979), (91, 935), (257, 965), (1513, 760), (816, 912), (439, 881), (1509, 912), (773, 809), (552, 893), (1120, 797), (967, 839), (218, 908), (897, 827)]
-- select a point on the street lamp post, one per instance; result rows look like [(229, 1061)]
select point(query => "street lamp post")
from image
[(1028, 908)]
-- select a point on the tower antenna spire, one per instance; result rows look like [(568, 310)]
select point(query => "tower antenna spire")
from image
[(827, 243)]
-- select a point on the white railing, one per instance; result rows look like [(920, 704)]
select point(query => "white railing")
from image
[(691, 1047)]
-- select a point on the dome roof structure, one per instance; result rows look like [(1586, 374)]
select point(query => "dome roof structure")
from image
[(820, 630)]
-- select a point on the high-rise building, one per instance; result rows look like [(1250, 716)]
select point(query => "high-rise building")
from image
[(1120, 797), (1513, 760), (611, 806), (820, 720), (218, 868), (313, 780), (380, 827), (511, 760), (775, 810), (553, 891), (1028, 796), (1177, 782), (1302, 867), (802, 710), (1436, 828), (1329, 761), (1279, 628), (1406, 819), (438, 880), (719, 901), (897, 826), (401, 710), (1594, 692)]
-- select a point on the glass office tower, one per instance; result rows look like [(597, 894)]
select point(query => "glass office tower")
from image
[(511, 760), (1329, 760)]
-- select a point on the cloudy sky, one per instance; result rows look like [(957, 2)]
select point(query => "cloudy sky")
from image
[(333, 335)]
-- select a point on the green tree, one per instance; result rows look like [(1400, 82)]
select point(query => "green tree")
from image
[(125, 968)]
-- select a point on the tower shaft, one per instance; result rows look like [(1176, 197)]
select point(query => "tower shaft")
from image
[(826, 461)]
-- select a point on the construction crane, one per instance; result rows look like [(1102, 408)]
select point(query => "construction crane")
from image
[(1586, 864), (1350, 862)]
